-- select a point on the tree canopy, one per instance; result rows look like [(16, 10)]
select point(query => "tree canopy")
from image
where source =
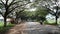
[(9, 6)]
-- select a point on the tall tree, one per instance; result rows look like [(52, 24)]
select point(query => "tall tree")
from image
[(52, 6), (9, 6), (41, 14)]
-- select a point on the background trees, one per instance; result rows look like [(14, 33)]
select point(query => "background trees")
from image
[(52, 6), (43, 7), (41, 14), (9, 6)]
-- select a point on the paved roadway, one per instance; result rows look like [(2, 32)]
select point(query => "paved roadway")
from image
[(34, 28)]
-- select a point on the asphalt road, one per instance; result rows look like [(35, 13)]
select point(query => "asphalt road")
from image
[(34, 28)]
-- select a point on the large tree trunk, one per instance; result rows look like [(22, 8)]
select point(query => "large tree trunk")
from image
[(56, 14), (56, 19), (5, 23)]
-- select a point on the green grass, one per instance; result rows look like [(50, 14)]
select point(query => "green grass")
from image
[(3, 30), (1, 23), (50, 23)]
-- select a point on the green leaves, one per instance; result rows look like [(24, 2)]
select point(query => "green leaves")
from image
[(1, 5), (41, 12)]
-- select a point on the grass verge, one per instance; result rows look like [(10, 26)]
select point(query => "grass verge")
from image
[(3, 30)]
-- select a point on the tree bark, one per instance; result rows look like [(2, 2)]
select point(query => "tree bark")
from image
[(5, 23), (56, 19), (56, 14)]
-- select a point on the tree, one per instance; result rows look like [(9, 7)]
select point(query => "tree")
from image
[(40, 11), (10, 6), (41, 14), (52, 6), (20, 15)]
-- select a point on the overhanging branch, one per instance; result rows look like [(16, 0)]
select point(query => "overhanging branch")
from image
[(49, 10), (17, 7), (13, 9), (2, 2), (12, 3), (7, 2)]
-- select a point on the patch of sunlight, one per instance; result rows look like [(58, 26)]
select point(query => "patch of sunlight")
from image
[(32, 9), (50, 18), (58, 20), (32, 23), (51, 21)]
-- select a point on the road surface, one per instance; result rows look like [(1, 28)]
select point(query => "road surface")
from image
[(34, 28)]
